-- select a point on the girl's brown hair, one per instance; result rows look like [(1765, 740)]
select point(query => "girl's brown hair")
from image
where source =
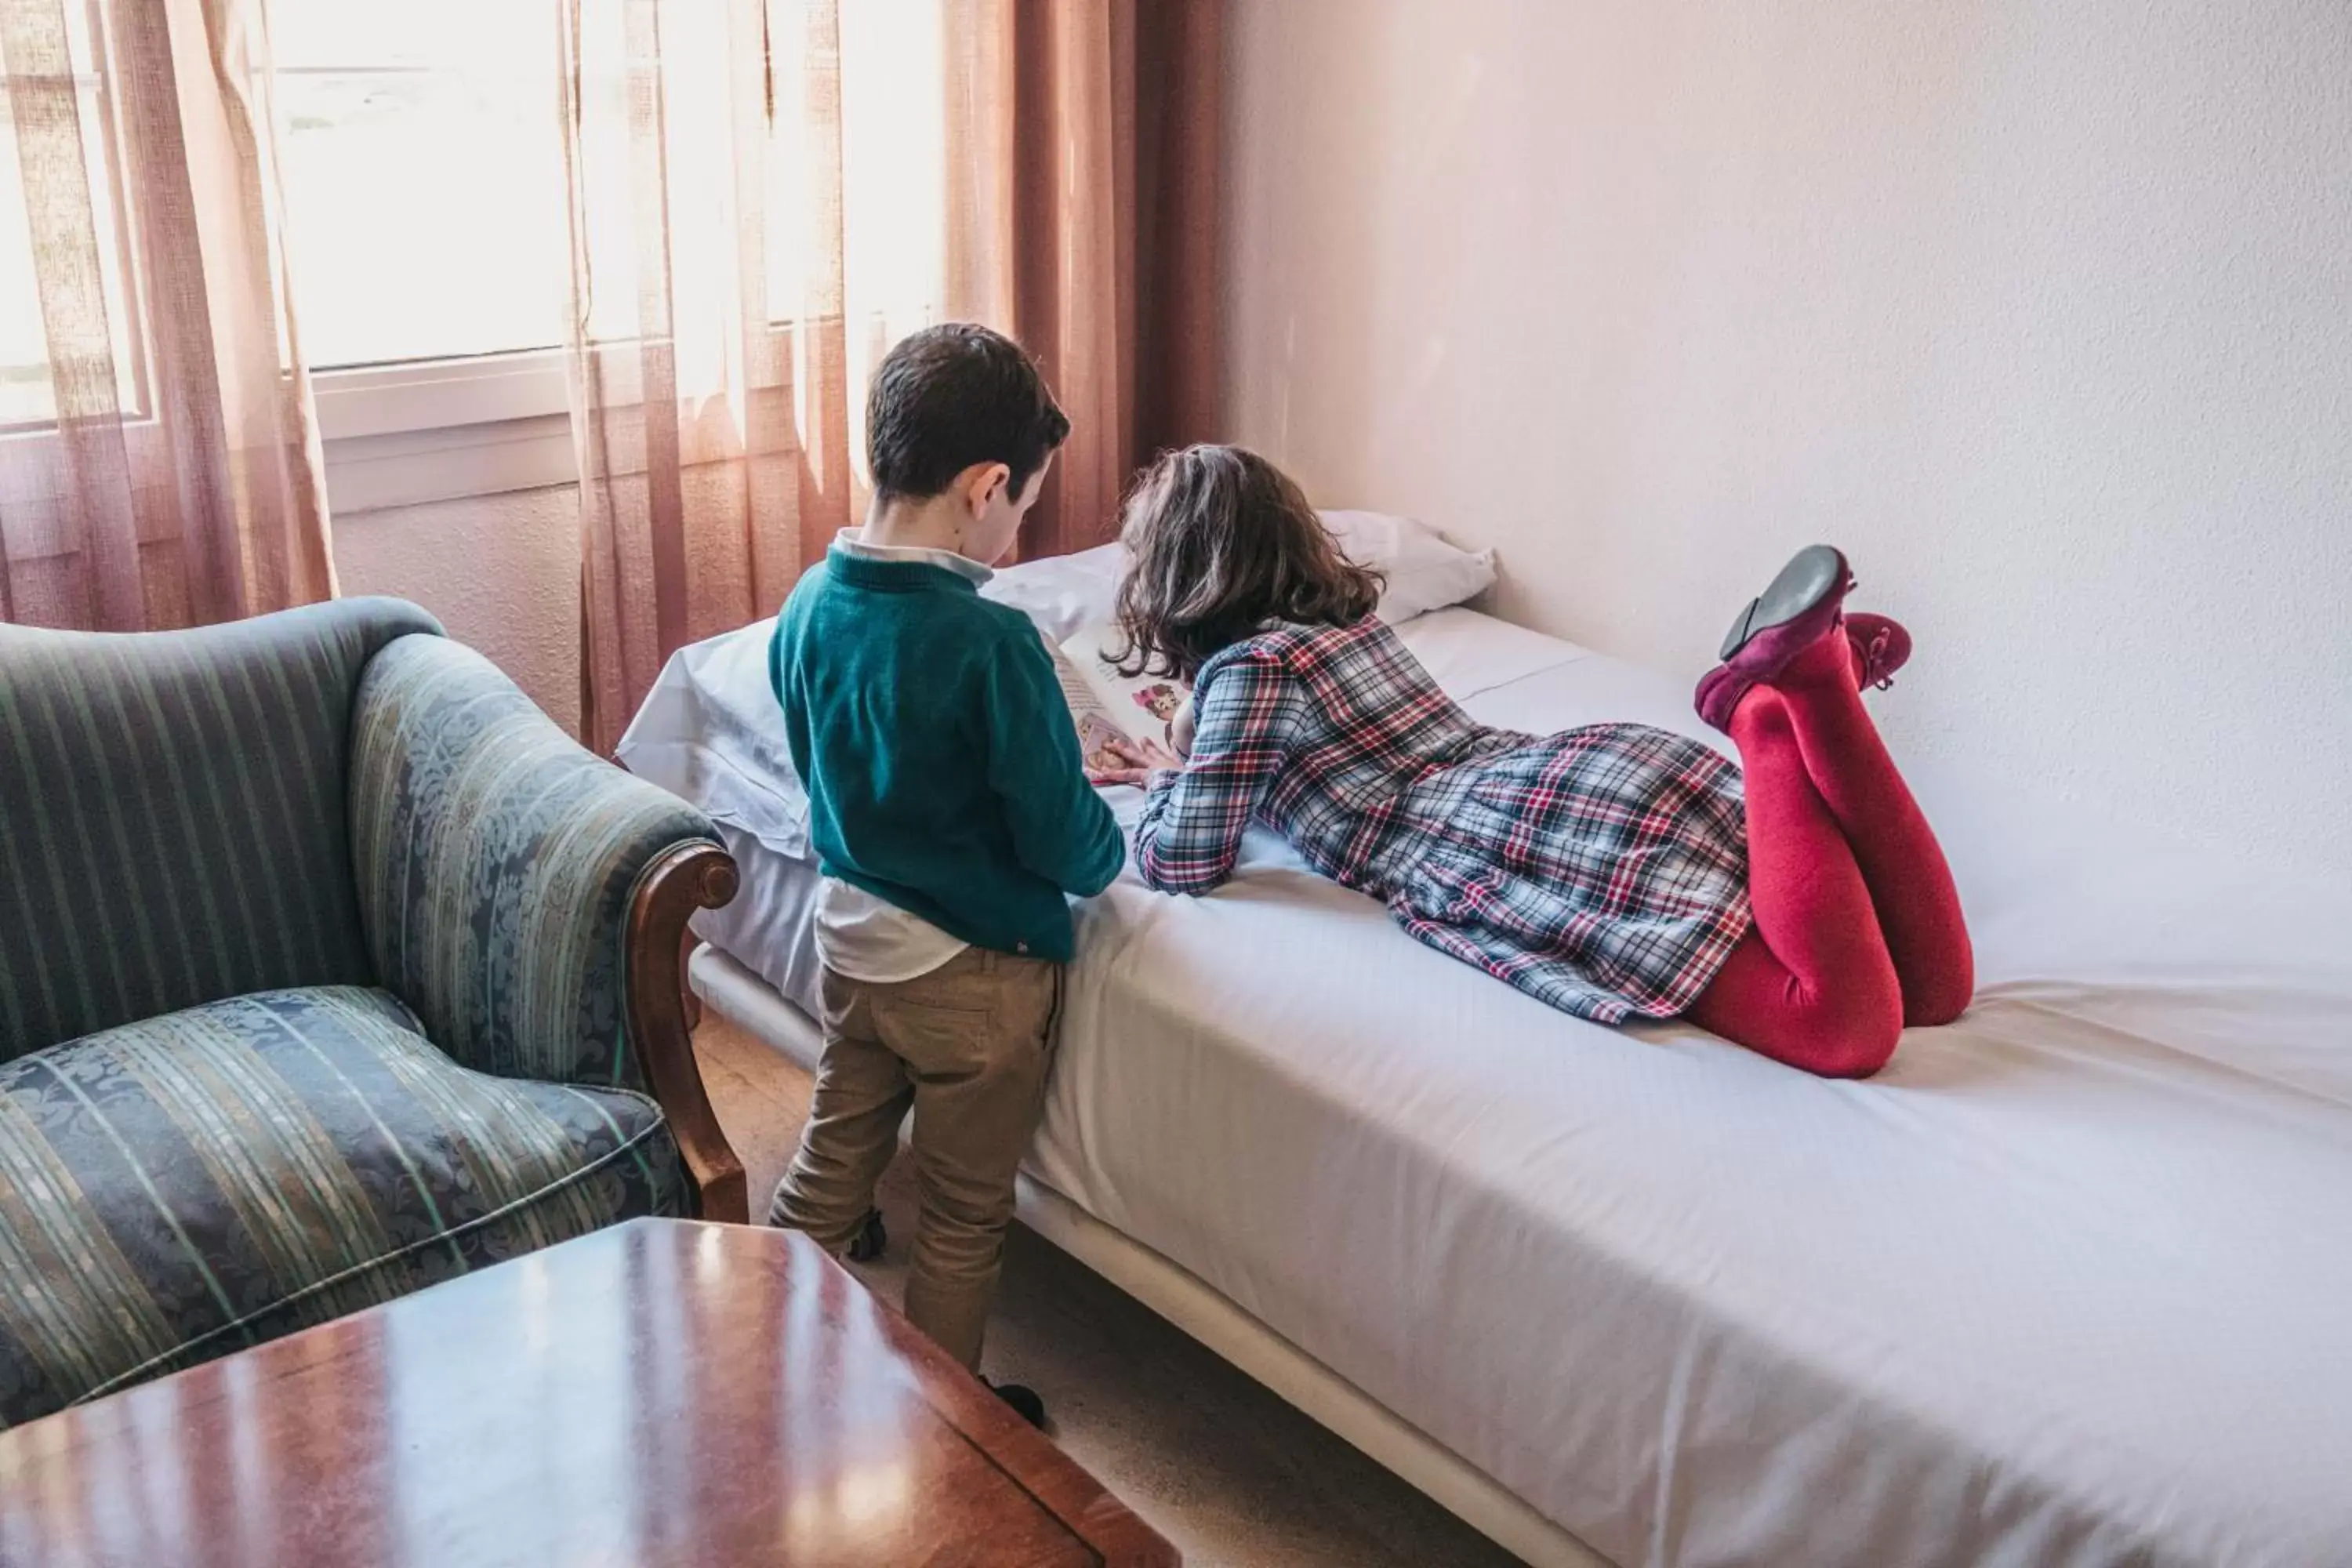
[(1221, 544)]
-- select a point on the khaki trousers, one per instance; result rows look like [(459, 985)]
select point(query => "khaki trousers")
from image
[(966, 1048)]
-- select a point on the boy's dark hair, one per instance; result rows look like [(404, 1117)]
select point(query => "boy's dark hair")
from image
[(1220, 544), (953, 396)]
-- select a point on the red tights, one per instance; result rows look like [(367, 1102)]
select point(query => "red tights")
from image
[(1858, 928)]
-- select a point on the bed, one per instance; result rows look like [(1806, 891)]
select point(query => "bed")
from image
[(2069, 1282)]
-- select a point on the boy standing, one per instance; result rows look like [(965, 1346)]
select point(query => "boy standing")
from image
[(950, 814)]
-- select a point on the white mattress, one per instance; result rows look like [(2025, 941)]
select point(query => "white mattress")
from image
[(2069, 1282)]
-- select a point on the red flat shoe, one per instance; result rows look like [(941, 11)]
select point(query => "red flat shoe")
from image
[(1880, 647), (1800, 608)]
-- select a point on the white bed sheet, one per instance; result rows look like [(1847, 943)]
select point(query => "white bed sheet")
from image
[(711, 732), (2069, 1283)]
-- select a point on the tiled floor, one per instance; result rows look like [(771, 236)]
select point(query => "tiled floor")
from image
[(1234, 1476)]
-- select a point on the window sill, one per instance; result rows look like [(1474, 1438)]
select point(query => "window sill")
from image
[(372, 473), (404, 435)]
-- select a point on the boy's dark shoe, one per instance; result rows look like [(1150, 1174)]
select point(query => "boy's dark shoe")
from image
[(1022, 1399), (871, 1239)]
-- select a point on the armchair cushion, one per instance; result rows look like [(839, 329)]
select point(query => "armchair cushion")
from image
[(179, 1188), (496, 863)]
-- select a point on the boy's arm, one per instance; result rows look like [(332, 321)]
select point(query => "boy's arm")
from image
[(1192, 823), (1061, 829)]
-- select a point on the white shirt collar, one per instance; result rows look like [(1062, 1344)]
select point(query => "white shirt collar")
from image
[(849, 544)]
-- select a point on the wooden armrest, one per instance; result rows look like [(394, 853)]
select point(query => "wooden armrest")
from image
[(687, 878)]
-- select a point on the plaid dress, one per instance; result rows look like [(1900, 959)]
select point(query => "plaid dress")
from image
[(1603, 870)]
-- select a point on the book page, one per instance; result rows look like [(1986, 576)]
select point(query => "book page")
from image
[(1142, 707), (1097, 726)]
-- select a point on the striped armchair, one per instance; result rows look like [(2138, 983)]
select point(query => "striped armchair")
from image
[(329, 968)]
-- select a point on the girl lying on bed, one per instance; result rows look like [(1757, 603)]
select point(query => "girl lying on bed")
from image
[(1615, 871)]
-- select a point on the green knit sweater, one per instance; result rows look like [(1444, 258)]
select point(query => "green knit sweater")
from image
[(941, 765)]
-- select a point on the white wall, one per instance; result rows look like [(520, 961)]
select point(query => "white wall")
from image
[(2043, 310), (501, 571)]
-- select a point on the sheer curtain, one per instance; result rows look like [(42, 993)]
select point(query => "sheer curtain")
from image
[(766, 194), (159, 459)]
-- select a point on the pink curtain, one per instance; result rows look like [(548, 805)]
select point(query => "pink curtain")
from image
[(162, 464), (766, 194)]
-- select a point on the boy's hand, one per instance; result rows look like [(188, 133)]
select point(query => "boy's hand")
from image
[(1142, 759)]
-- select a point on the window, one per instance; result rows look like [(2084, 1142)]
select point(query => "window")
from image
[(423, 172), (425, 184), (422, 169), (421, 165), (27, 399)]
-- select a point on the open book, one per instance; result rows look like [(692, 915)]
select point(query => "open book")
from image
[(1109, 706)]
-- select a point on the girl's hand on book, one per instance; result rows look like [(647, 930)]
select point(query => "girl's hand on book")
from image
[(1142, 760)]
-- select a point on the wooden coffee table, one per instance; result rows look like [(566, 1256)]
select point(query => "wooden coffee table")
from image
[(663, 1393)]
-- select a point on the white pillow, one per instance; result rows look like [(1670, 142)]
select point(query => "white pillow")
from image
[(1423, 571), (1065, 592), (1062, 593)]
